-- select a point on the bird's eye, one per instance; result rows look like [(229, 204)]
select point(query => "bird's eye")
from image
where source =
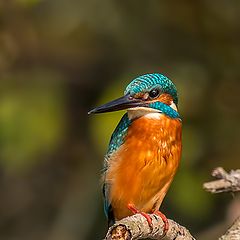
[(154, 93)]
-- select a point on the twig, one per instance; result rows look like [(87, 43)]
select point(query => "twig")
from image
[(228, 182), (136, 227), (233, 233)]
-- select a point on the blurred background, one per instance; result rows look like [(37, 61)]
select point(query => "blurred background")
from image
[(60, 58)]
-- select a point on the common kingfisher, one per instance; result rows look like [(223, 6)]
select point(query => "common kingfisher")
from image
[(145, 148)]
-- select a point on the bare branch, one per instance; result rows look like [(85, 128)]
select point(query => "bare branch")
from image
[(233, 233), (136, 227), (228, 182)]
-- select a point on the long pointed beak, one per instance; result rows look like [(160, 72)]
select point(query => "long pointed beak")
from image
[(118, 104)]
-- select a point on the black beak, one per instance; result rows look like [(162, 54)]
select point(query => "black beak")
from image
[(119, 104)]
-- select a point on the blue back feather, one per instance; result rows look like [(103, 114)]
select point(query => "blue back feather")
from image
[(119, 133)]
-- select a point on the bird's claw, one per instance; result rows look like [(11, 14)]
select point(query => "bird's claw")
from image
[(165, 221), (134, 210)]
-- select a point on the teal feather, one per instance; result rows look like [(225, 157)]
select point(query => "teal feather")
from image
[(165, 109), (118, 135), (147, 82)]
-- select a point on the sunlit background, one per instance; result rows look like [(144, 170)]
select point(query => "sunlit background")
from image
[(59, 58)]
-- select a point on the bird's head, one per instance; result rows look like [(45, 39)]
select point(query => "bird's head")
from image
[(149, 93)]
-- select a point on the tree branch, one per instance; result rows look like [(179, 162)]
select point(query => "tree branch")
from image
[(136, 227), (228, 182), (233, 233)]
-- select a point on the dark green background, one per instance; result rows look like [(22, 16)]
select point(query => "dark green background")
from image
[(60, 58)]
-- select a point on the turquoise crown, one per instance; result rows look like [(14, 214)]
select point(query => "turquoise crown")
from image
[(147, 82)]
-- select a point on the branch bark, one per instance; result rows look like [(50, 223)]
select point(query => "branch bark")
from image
[(227, 182), (136, 227), (233, 233)]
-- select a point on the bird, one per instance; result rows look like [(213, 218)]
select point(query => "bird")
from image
[(144, 150)]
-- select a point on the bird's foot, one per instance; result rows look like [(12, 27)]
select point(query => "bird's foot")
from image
[(134, 210), (165, 221)]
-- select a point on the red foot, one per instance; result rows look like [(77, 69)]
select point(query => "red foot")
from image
[(134, 210), (165, 220)]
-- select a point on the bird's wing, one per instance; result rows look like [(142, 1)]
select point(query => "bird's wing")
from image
[(117, 139), (119, 134)]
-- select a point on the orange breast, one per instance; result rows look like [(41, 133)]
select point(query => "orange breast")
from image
[(141, 171)]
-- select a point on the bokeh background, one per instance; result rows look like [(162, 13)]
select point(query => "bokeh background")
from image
[(59, 58)]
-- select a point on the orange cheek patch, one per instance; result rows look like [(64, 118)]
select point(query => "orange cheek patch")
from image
[(165, 98)]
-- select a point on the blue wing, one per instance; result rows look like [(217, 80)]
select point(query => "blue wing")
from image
[(117, 139)]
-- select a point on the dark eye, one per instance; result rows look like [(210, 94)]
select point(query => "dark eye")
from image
[(154, 93)]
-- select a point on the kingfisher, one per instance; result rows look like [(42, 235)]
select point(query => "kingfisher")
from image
[(145, 148)]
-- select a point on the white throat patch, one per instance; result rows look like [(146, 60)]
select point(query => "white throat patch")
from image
[(173, 106), (143, 111)]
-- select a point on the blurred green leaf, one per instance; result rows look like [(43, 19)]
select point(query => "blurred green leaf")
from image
[(193, 145), (188, 196), (28, 3), (31, 118)]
